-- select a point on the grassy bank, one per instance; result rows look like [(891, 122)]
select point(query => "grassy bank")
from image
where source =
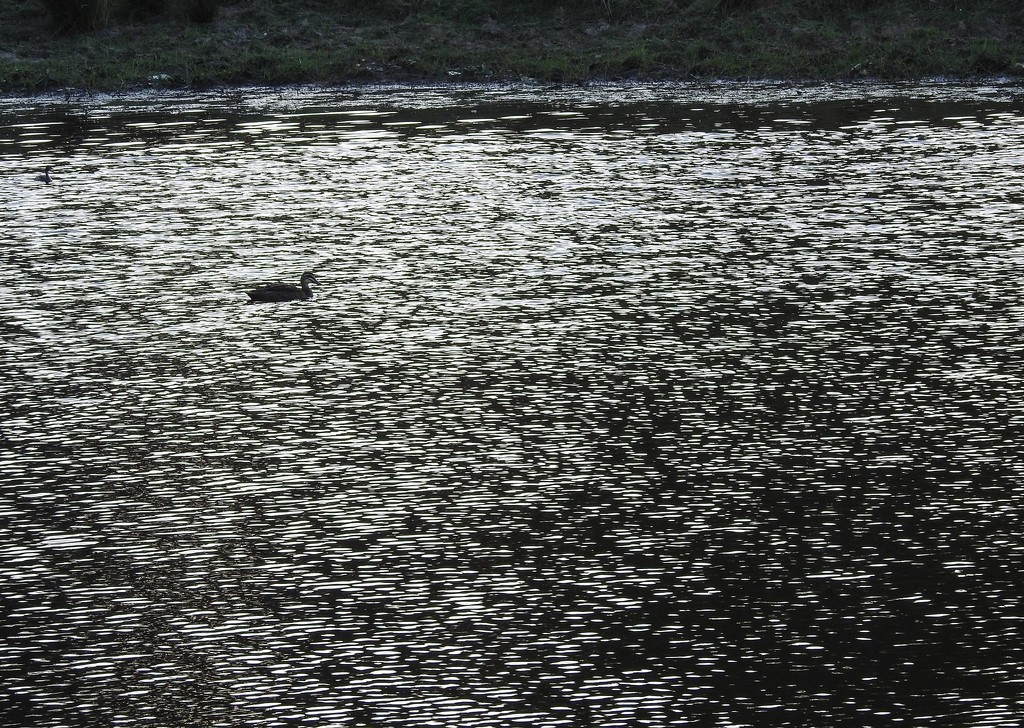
[(126, 44)]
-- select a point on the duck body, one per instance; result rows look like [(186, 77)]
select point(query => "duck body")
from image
[(45, 176), (278, 292)]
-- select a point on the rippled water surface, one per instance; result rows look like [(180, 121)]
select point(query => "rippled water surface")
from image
[(616, 407)]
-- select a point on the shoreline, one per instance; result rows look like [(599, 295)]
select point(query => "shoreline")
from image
[(71, 94), (518, 88), (331, 44), (444, 94)]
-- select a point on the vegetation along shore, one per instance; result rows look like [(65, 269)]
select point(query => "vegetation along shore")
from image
[(110, 45)]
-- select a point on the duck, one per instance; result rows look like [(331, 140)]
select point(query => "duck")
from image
[(284, 291), (45, 176)]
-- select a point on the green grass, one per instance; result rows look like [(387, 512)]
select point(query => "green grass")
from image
[(135, 43)]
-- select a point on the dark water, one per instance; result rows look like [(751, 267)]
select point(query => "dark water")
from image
[(617, 407)]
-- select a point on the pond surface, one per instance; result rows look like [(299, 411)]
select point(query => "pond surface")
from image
[(616, 407)]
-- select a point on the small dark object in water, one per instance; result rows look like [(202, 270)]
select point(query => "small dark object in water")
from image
[(284, 291), (812, 278), (45, 176)]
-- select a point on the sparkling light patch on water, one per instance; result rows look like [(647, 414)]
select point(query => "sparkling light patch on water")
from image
[(623, 406)]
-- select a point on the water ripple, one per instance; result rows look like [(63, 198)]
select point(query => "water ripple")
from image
[(616, 407)]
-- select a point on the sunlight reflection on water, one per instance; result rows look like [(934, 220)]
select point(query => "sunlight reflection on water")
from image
[(616, 407)]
